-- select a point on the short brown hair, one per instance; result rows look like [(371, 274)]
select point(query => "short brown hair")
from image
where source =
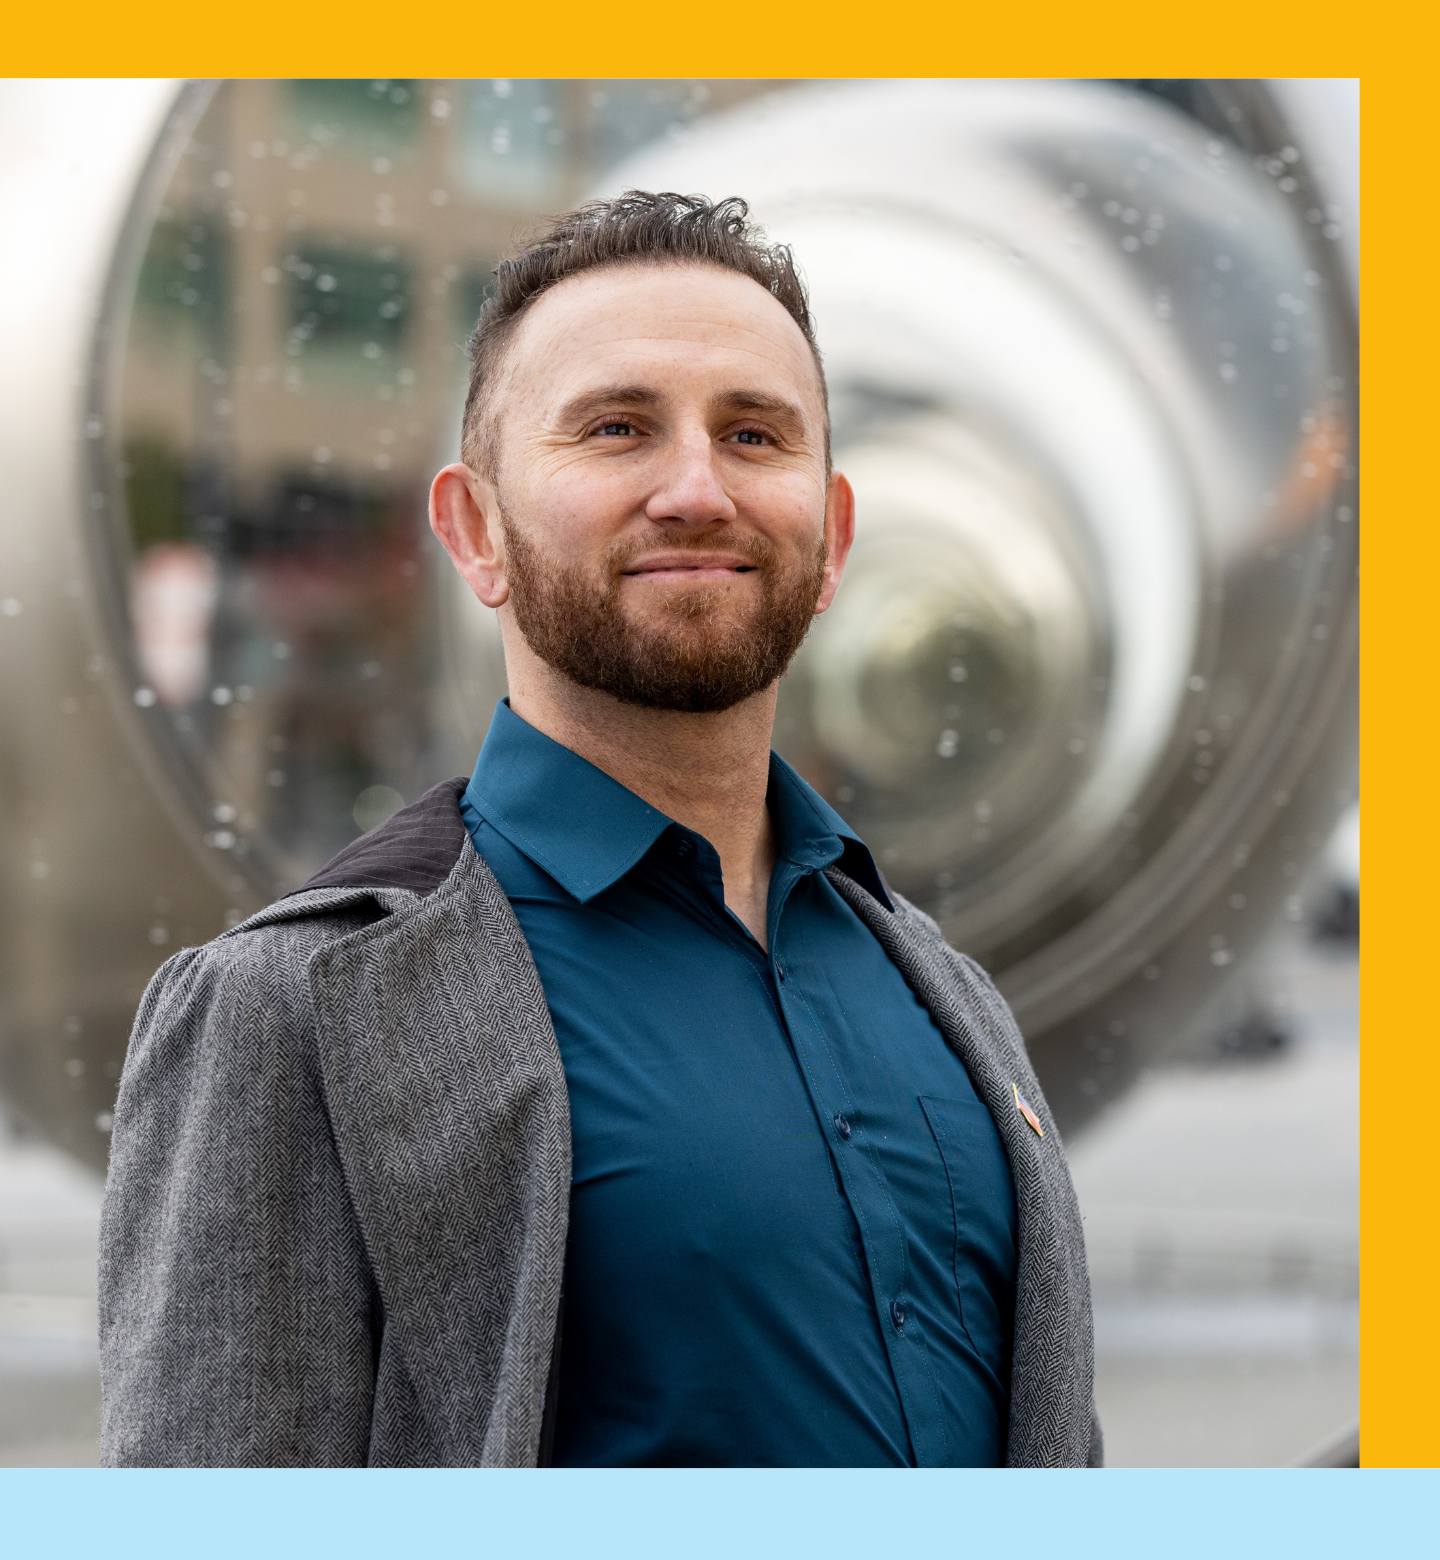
[(634, 228)]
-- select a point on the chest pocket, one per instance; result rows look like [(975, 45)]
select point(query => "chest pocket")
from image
[(982, 1196)]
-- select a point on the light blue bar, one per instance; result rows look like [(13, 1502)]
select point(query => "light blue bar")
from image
[(695, 1514)]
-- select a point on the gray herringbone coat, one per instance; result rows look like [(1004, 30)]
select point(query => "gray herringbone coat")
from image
[(334, 1224)]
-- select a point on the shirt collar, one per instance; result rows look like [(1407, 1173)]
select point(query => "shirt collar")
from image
[(587, 830), (810, 832)]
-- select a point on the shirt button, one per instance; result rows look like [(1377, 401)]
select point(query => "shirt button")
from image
[(842, 1126), (898, 1314)]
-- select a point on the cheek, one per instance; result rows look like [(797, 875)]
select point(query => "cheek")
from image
[(796, 507), (583, 500)]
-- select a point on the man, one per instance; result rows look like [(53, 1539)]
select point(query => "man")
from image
[(607, 1107)]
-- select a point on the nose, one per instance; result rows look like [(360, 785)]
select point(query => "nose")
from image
[(689, 486)]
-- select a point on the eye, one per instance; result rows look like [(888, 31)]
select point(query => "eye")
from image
[(614, 427), (754, 436)]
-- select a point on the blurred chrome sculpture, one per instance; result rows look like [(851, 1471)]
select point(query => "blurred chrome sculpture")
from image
[(1089, 687)]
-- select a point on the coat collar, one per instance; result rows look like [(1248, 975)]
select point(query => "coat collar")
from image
[(1052, 1364), (450, 1112)]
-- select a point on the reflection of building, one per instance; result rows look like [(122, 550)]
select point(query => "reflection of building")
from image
[(319, 257), (293, 374)]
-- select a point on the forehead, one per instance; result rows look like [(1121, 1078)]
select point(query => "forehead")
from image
[(620, 323)]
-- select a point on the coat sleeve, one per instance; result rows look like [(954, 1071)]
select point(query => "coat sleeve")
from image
[(238, 1318)]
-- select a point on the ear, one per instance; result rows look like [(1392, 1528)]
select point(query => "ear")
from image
[(839, 534), (465, 515)]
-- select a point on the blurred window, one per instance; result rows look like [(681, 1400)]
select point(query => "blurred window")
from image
[(365, 118), (184, 283), (509, 140), (347, 308)]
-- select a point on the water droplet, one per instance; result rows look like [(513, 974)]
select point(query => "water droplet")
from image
[(375, 804), (104, 1121), (144, 697), (10, 606), (949, 743)]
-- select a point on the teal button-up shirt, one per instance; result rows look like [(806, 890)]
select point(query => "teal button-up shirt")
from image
[(792, 1224)]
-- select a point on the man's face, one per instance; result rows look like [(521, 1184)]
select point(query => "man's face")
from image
[(661, 485)]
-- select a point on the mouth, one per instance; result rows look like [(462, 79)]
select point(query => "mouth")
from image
[(699, 569)]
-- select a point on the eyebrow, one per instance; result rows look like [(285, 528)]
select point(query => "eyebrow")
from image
[(581, 406), (612, 397)]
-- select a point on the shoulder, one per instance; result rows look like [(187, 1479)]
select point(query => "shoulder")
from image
[(243, 992), (976, 982), (930, 933)]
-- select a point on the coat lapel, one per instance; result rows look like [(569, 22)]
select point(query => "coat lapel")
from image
[(448, 1101), (1052, 1365)]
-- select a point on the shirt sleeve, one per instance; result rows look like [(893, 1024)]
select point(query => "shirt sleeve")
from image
[(237, 1316)]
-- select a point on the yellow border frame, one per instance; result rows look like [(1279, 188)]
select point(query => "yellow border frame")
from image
[(1400, 1066)]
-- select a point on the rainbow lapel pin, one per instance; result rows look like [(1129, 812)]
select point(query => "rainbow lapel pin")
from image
[(1023, 1106)]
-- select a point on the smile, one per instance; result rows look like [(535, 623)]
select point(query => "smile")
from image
[(680, 566), (689, 572)]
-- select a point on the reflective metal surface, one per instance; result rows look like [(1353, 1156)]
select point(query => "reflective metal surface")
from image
[(1088, 689)]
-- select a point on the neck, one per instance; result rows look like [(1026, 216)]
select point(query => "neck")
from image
[(709, 772)]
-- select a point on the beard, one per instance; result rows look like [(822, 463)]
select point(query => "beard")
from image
[(700, 650)]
